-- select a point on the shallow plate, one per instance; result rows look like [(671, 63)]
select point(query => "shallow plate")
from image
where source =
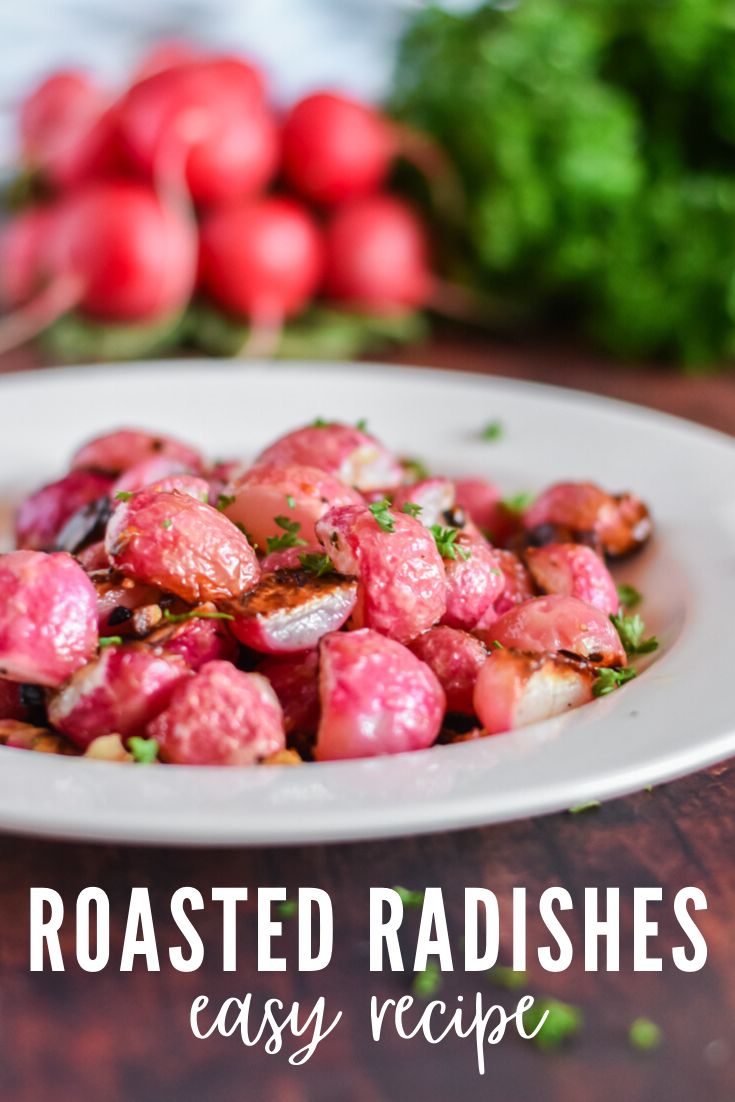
[(678, 716)]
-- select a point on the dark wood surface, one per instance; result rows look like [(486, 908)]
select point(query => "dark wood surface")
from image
[(113, 1037)]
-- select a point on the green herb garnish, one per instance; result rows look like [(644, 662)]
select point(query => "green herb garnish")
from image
[(503, 976), (415, 469), (320, 423), (224, 501), (290, 537), (493, 430), (609, 678), (316, 563), (110, 640), (123, 495), (381, 512), (518, 503), (427, 983), (408, 897), (446, 542), (631, 629), (411, 509), (629, 596), (644, 1035), (144, 750), (362, 424), (498, 645), (287, 908), (291, 501), (564, 1021), (195, 614), (167, 523), (588, 805)]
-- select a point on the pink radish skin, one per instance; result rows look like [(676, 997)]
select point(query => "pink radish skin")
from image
[(456, 658), (118, 451), (22, 244), (262, 260), (513, 690), (289, 558), (41, 516), (221, 716), (348, 453), (290, 610), (196, 642), (550, 624), (574, 570), (48, 617), (335, 148), (377, 257), (376, 698), (119, 692), (295, 681), (620, 522), (148, 471), (263, 493), (482, 502), (182, 545), (473, 583), (202, 125), (518, 587), (402, 583), (133, 258)]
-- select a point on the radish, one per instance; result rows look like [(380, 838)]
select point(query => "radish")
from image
[(377, 256), (205, 121), (113, 250), (21, 248), (262, 260), (67, 129), (165, 55)]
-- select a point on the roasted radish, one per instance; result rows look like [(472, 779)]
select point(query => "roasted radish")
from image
[(553, 624), (514, 689)]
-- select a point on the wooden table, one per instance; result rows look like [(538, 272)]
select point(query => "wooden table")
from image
[(126, 1037)]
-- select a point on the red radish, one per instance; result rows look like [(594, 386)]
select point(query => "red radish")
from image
[(206, 119), (378, 256), (21, 251), (335, 148), (66, 129), (262, 260)]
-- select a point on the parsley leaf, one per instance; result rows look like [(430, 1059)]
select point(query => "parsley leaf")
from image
[(362, 424), (287, 908), (195, 614), (629, 596), (411, 509), (110, 640), (415, 469), (320, 423), (291, 501), (503, 976), (316, 564), (167, 523), (224, 501), (493, 430), (381, 512), (644, 1034), (610, 678), (564, 1021), (588, 805), (427, 983), (630, 629), (290, 537), (519, 502), (144, 750), (446, 542), (408, 897), (123, 495)]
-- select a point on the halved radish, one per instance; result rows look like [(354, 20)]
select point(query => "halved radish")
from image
[(515, 689)]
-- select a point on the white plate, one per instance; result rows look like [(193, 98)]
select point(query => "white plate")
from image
[(677, 717)]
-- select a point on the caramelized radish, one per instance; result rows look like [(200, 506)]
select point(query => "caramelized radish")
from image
[(513, 689)]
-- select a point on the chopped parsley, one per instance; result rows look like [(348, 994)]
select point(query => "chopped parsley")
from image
[(415, 468), (503, 976), (362, 424), (381, 512), (610, 678), (564, 1021), (493, 430), (224, 501), (167, 523), (291, 501), (408, 897), (290, 537), (195, 614), (427, 983), (144, 750), (588, 805), (519, 502), (411, 509), (316, 563), (630, 628), (123, 495), (644, 1034), (110, 640), (320, 423), (498, 645), (446, 542), (287, 908), (629, 596)]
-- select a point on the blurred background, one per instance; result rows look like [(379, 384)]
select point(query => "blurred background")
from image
[(518, 169)]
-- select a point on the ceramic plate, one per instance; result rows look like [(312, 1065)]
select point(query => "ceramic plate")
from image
[(676, 717)]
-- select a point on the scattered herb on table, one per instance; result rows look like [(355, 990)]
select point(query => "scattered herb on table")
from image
[(408, 897), (564, 1022), (644, 1035), (510, 979), (427, 983)]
